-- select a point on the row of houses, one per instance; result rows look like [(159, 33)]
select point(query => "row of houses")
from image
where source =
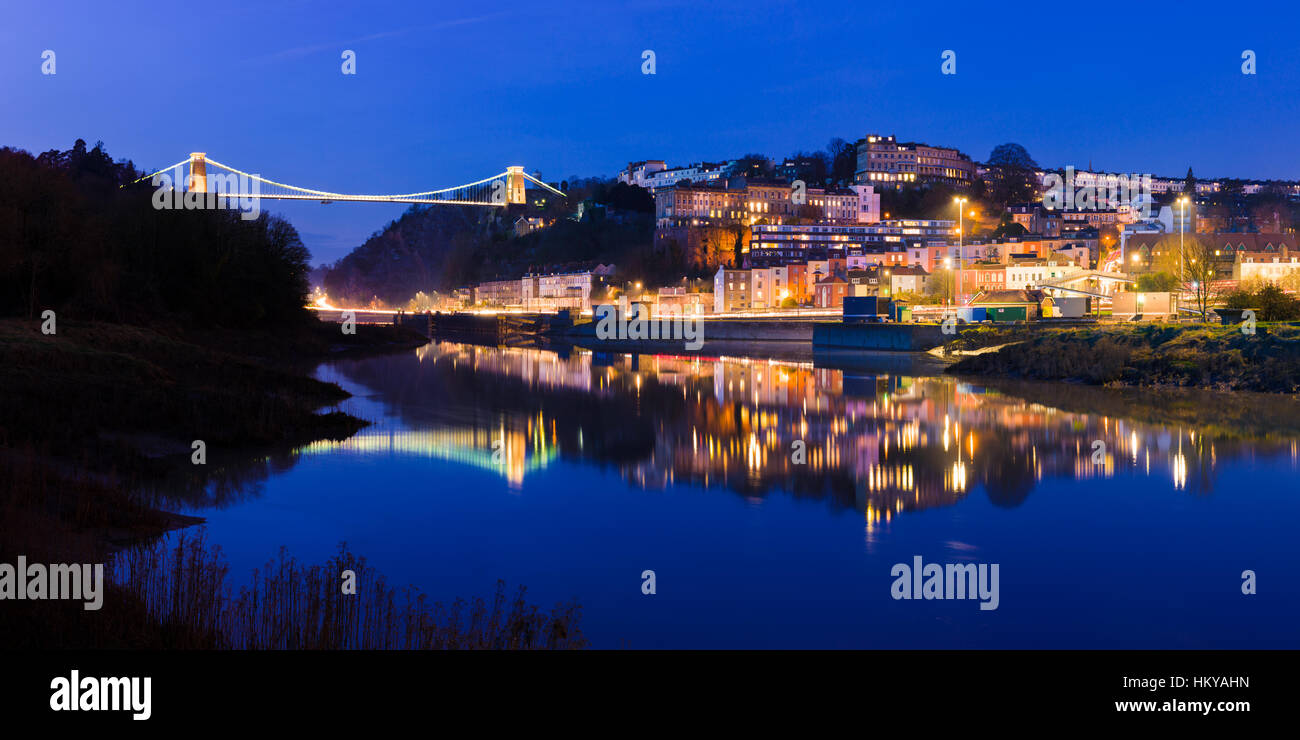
[(1239, 257), (884, 161), (818, 283), (547, 292)]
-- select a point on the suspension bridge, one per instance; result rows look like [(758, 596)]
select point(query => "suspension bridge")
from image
[(499, 190)]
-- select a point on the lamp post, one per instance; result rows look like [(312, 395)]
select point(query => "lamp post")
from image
[(1182, 227), (961, 224), (947, 264)]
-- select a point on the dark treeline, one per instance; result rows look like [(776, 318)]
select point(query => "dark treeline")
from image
[(78, 238)]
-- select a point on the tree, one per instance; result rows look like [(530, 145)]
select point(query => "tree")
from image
[(1268, 299), (625, 197), (738, 232), (752, 165), (77, 233), (940, 285), (1011, 155), (1008, 227), (1157, 282), (1189, 184), (1015, 176), (844, 160), (1275, 305), (1201, 270), (813, 168)]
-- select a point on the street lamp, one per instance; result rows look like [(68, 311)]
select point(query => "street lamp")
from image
[(1182, 227), (961, 224)]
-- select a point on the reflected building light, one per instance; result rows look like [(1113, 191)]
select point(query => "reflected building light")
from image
[(1180, 471)]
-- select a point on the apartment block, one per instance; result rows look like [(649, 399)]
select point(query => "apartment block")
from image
[(884, 161)]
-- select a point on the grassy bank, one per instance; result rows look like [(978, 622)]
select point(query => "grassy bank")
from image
[(97, 412), (1155, 355)]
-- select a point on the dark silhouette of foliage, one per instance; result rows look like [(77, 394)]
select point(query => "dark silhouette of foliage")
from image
[(1272, 303), (76, 237), (1014, 175)]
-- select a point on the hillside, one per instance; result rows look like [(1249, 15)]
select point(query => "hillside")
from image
[(438, 248)]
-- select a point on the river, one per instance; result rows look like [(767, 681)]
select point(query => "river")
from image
[(1117, 519)]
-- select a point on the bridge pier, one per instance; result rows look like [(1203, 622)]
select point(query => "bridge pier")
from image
[(515, 184), (198, 180)]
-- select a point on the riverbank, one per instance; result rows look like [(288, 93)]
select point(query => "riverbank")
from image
[(1155, 355), (98, 411)]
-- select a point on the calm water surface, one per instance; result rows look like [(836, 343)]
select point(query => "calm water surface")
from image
[(612, 464)]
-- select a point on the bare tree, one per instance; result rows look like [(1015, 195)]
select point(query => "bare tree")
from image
[(940, 285), (1201, 274)]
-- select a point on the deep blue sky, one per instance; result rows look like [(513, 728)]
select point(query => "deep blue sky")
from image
[(448, 92)]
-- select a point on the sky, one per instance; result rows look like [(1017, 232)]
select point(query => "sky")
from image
[(450, 92)]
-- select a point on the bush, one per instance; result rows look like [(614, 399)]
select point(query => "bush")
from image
[(1275, 305), (1272, 303), (1157, 282)]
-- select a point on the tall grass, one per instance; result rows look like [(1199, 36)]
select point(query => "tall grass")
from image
[(1204, 356), (290, 606)]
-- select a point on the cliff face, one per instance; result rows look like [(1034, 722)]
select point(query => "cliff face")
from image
[(437, 248), (445, 248), (426, 249)]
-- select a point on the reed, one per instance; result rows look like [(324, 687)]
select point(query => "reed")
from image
[(183, 583)]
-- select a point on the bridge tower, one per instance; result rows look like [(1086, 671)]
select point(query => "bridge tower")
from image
[(198, 172), (515, 184)]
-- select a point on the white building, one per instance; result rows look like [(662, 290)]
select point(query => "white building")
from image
[(556, 291), (1268, 266), (731, 290), (907, 279), (700, 172), (1032, 273), (638, 172)]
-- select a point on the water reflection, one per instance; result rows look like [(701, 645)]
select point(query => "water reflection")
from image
[(883, 443), (1120, 518)]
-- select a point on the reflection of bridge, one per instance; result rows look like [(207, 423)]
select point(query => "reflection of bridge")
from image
[(511, 453), (500, 189)]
